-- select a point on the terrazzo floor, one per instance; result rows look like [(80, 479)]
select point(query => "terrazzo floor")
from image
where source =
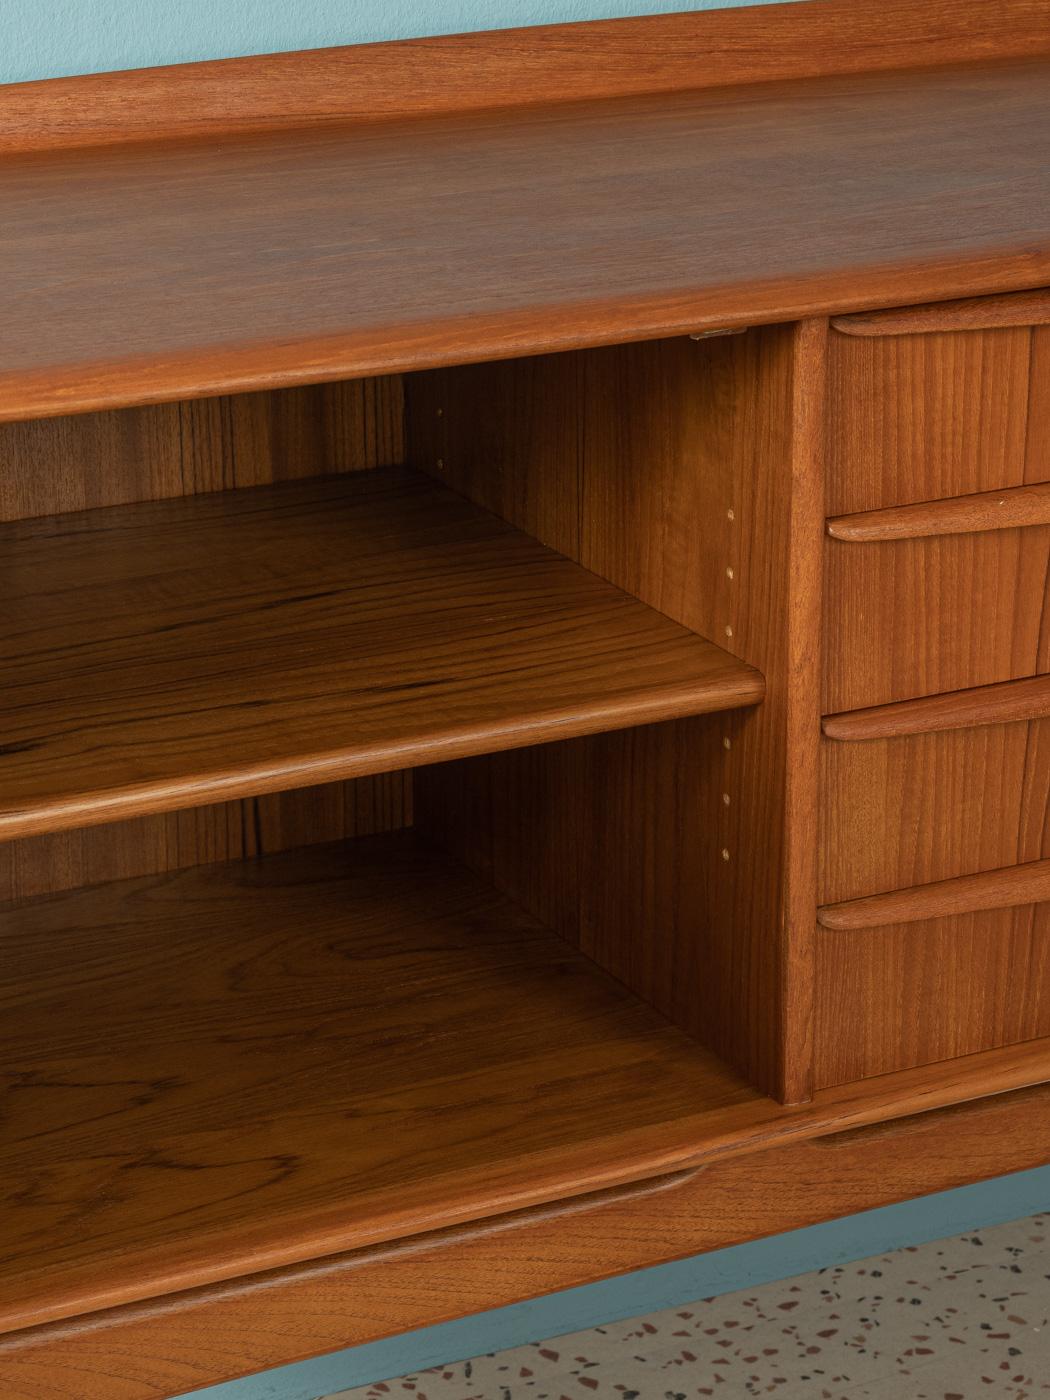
[(961, 1319)]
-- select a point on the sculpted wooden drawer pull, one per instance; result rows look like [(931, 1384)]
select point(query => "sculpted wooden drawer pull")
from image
[(1003, 703), (958, 515), (993, 889), (969, 314)]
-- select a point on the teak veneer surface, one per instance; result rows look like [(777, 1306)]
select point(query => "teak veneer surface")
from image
[(948, 990), (220, 1070), (229, 1069), (907, 618), (508, 67), (157, 271), (157, 1349), (159, 451), (681, 857), (917, 808), (170, 654), (955, 412)]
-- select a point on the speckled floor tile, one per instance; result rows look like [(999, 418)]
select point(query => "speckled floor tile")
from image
[(961, 1319)]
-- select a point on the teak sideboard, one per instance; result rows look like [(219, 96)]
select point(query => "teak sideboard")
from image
[(525, 689)]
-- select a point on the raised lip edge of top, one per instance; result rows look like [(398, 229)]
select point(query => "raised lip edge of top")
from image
[(522, 67)]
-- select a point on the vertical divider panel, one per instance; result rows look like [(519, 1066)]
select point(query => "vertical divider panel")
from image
[(681, 857)]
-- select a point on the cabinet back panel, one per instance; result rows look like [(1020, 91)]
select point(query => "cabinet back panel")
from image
[(180, 449)]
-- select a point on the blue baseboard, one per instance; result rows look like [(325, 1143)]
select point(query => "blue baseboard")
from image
[(666, 1286)]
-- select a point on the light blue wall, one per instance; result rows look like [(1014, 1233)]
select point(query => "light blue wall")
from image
[(51, 38)]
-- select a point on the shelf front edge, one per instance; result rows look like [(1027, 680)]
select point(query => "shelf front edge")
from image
[(741, 687)]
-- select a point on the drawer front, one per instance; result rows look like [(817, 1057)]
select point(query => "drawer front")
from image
[(932, 588), (901, 995), (919, 417), (919, 616), (910, 810)]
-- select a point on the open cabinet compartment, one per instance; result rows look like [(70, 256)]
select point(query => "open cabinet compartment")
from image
[(411, 895), (543, 963)]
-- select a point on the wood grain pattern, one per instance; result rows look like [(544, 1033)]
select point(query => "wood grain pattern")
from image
[(1037, 444), (223, 1079), (338, 252), (280, 821), (543, 63), (171, 1045), (95, 460), (687, 473), (147, 454), (969, 314), (924, 417), (615, 841), (801, 680), (921, 418), (909, 618), (187, 1115), (964, 894), (156, 1349), (934, 655), (1016, 506), (918, 808), (920, 993), (959, 709), (165, 655)]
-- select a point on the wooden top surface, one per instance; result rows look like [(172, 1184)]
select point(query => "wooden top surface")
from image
[(174, 653), (155, 271)]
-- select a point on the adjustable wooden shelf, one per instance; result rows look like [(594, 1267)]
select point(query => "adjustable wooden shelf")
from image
[(525, 683)]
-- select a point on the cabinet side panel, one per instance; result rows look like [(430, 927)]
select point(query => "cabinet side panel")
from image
[(679, 857), (141, 454)]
